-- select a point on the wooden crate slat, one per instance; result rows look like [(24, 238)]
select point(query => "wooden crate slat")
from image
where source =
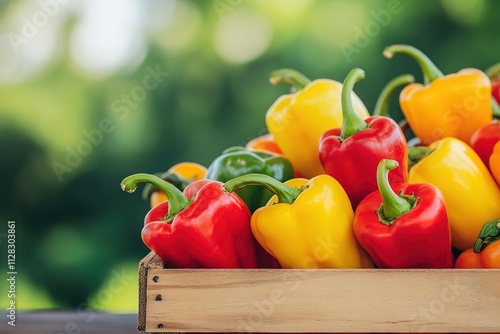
[(150, 261), (212, 300)]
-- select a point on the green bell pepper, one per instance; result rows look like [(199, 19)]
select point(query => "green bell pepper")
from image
[(237, 161)]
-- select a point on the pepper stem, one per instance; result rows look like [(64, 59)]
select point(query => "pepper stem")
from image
[(289, 76), (176, 199), (286, 194), (351, 122), (493, 71), (382, 106), (417, 153), (393, 205), (490, 232), (171, 177), (430, 71)]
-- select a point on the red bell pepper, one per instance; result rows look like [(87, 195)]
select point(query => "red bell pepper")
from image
[(203, 228), (486, 250), (351, 154), (409, 230), (483, 140)]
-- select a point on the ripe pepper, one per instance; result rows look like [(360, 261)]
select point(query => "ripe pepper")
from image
[(203, 228), (237, 161), (454, 105), (265, 143), (298, 120), (180, 175), (405, 230), (470, 192), (307, 224), (494, 162), (351, 153), (483, 140), (486, 250)]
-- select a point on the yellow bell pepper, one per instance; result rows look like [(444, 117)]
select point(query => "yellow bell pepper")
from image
[(307, 224), (471, 194), (298, 120), (454, 105), (180, 175)]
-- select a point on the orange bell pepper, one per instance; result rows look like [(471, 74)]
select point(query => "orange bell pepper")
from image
[(486, 251), (453, 105), (180, 175), (264, 143), (495, 162)]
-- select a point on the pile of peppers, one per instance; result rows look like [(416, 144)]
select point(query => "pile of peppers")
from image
[(333, 186)]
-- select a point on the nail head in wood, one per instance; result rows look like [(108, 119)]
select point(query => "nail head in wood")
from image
[(155, 278), (158, 297), (160, 325)]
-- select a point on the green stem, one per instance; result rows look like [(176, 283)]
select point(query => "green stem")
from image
[(493, 71), (285, 193), (393, 205), (176, 199), (490, 232), (382, 106), (170, 177), (351, 122), (289, 76), (417, 153), (430, 71)]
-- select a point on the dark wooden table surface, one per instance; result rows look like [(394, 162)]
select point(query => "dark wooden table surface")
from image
[(70, 322)]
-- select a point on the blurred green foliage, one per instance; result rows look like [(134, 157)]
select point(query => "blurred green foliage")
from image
[(61, 78)]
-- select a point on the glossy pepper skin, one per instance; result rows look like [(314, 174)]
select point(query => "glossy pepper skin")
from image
[(351, 154), (237, 161), (454, 105), (486, 250), (203, 228), (494, 162), (298, 120), (484, 139), (180, 175), (307, 224), (404, 226), (265, 143), (470, 192)]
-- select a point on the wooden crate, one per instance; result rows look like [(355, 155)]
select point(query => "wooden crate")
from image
[(326, 300)]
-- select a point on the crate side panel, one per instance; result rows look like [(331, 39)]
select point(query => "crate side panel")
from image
[(150, 261), (323, 301)]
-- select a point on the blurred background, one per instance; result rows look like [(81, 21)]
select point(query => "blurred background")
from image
[(92, 91)]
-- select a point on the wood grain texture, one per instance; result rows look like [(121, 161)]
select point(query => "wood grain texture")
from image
[(297, 301), (150, 261)]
